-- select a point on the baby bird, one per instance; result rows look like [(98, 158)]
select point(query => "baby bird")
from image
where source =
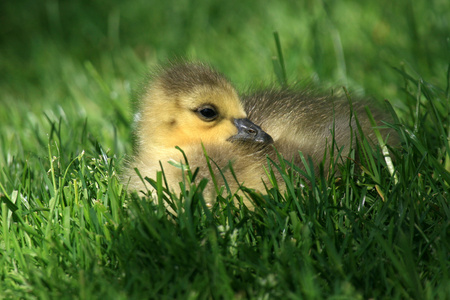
[(192, 106)]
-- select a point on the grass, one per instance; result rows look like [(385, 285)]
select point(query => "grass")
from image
[(70, 230)]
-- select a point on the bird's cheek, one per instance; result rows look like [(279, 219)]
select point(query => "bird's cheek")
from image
[(229, 130), (219, 133)]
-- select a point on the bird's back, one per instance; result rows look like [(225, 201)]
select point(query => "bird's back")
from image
[(302, 120)]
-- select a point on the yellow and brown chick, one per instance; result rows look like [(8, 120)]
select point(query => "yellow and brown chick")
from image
[(190, 106)]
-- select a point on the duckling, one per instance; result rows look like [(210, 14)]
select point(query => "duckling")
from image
[(192, 106)]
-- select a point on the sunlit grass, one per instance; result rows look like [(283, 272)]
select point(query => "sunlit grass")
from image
[(69, 229)]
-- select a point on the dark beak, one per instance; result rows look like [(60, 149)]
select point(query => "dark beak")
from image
[(250, 132)]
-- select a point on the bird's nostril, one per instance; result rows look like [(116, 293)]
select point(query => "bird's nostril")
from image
[(248, 131)]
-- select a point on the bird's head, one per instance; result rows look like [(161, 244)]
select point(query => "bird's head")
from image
[(189, 104)]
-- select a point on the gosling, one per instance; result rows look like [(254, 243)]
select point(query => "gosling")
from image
[(194, 107), (197, 109)]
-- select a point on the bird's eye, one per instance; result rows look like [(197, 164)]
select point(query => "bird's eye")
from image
[(207, 113)]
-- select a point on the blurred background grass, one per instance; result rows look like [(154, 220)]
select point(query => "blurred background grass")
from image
[(80, 60)]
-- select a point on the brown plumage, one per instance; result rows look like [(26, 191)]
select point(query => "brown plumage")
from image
[(188, 105), (304, 120)]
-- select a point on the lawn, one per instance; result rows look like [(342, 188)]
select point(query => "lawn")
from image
[(69, 228)]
